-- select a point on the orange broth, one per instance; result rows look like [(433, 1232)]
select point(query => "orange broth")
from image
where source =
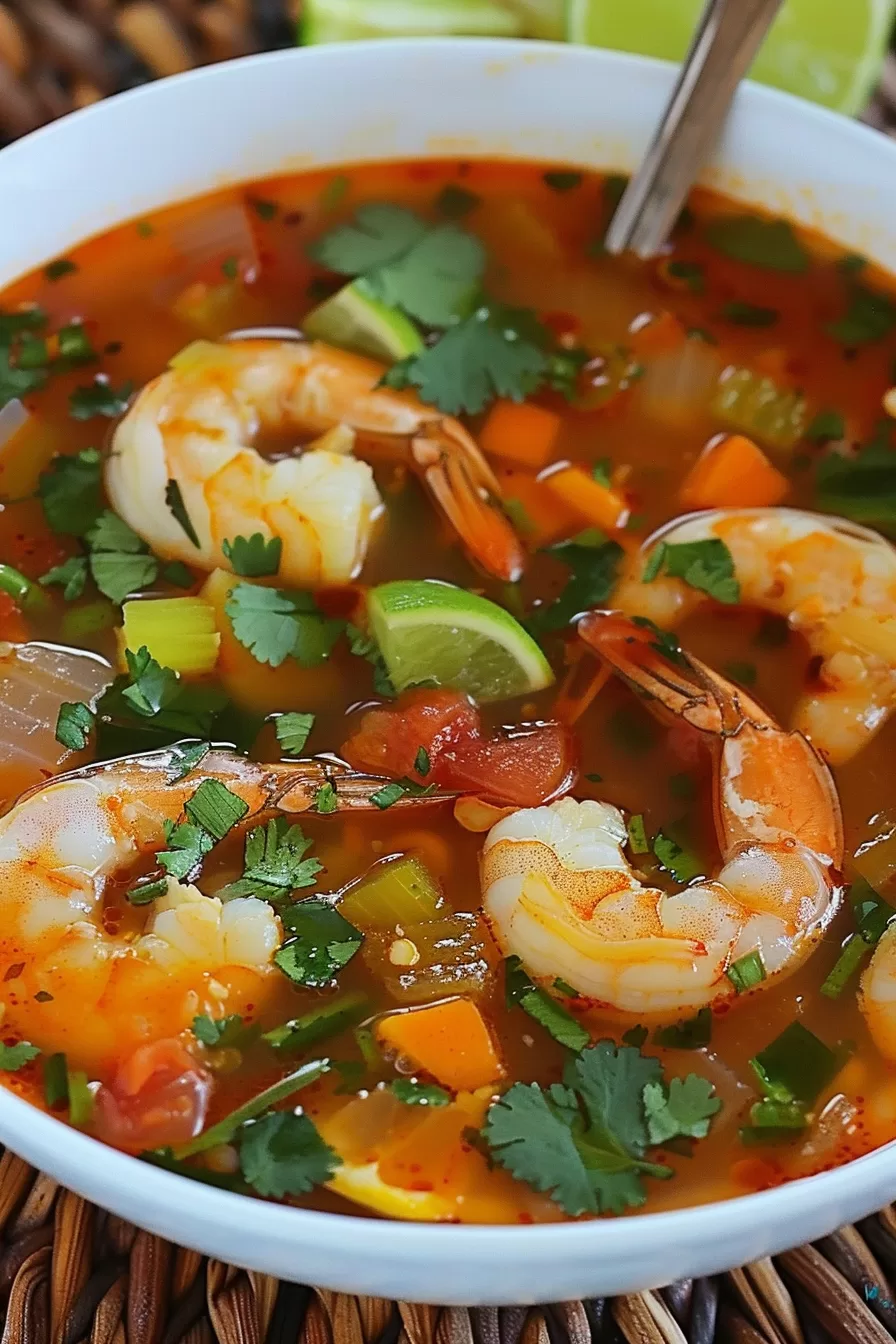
[(129, 288)]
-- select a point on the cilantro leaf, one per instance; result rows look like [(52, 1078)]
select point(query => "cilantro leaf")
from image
[(220, 1032), (100, 398), (680, 862), (70, 492), (692, 1034), (559, 179), (326, 800), (74, 725), (175, 501), (188, 846), (826, 426), (16, 381), (611, 1080), (71, 577), (323, 942), (749, 314), (21, 320), (378, 234), (869, 317), (292, 731), (705, 565), (274, 625), (56, 270), (412, 1093), (769, 243), (862, 488), (120, 561), (436, 280), (274, 863), (557, 1021), (283, 1154), (454, 202), (535, 1143), (185, 759), (365, 646), (254, 557), (15, 1057), (215, 808), (684, 1111), (495, 352), (594, 570)]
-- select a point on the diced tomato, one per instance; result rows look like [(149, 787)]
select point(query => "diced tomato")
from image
[(158, 1097), (522, 767)]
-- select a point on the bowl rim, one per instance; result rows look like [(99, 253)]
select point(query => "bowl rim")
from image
[(52, 1145)]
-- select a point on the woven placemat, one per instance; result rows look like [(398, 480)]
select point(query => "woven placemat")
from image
[(70, 1273)]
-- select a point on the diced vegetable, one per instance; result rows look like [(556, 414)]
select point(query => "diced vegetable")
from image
[(662, 334), (753, 404), (207, 308), (399, 891), (596, 503), (538, 515), (520, 432), (179, 632), (425, 961), (449, 1040), (678, 384), (733, 473)]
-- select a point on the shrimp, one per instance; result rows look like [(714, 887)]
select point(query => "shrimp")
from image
[(877, 994), (835, 583), (196, 425), (84, 972), (560, 894)]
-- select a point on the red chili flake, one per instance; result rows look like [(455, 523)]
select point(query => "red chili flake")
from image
[(13, 972), (293, 218), (43, 997)]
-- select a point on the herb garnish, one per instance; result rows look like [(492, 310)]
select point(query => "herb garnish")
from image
[(692, 1034), (825, 427), (293, 730), (559, 179), (74, 725), (869, 317), (175, 501), (872, 914), (414, 1093), (792, 1072), (70, 492), (283, 1154), (454, 202), (71, 576), (255, 557), (749, 314), (705, 565), (680, 862), (219, 1033), (100, 398), (594, 571), (275, 625), (121, 563), (274, 864), (300, 1033), (557, 1021), (769, 243), (15, 1057), (747, 972), (322, 942)]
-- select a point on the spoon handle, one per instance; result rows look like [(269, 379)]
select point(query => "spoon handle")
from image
[(728, 38)]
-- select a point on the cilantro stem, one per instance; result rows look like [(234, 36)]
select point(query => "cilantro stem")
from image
[(27, 594), (225, 1129)]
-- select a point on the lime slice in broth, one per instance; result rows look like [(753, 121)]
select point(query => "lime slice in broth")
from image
[(432, 632), (355, 319), (347, 20), (829, 51)]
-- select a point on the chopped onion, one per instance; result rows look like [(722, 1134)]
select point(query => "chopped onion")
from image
[(12, 418), (217, 236), (678, 386), (265, 334), (35, 679)]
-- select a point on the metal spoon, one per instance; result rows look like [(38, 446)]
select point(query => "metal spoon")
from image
[(729, 36)]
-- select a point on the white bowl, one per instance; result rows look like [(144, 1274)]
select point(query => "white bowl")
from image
[(374, 101)]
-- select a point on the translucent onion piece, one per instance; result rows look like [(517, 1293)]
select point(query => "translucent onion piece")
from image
[(678, 387), (35, 679), (12, 417), (217, 236)]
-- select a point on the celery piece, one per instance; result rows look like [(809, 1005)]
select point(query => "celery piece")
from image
[(753, 404), (399, 891), (89, 618), (451, 955), (179, 632)]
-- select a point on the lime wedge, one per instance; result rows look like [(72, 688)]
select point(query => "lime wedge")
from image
[(829, 51), (354, 319), (433, 632), (346, 20)]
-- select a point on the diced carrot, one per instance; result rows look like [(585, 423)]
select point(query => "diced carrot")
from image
[(520, 432), (732, 472), (537, 514), (596, 503), (449, 1040), (657, 336)]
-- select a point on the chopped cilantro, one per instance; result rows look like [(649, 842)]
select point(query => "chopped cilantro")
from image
[(749, 314), (70, 492), (215, 808), (378, 234), (437, 280), (292, 731), (768, 243), (683, 865), (16, 382), (188, 846), (413, 1093), (388, 795), (100, 398), (364, 646), (15, 1057), (869, 317), (321, 1023), (705, 565), (563, 987), (691, 272), (74, 344), (584, 1142), (146, 890), (274, 864), (422, 763), (665, 641), (322, 942), (454, 202), (797, 1066), (15, 324), (637, 835), (179, 574), (862, 488), (692, 1034), (559, 179), (747, 972), (74, 725), (71, 576), (495, 352), (254, 557), (557, 1021), (826, 426), (683, 1111), (185, 759), (266, 210), (175, 501), (121, 563), (635, 1036), (275, 625), (55, 1071), (145, 229), (225, 1130), (872, 914), (594, 570), (219, 1032), (283, 1154), (230, 268), (56, 270), (326, 800)]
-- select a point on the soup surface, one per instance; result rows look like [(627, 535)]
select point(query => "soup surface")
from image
[(419, 898)]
